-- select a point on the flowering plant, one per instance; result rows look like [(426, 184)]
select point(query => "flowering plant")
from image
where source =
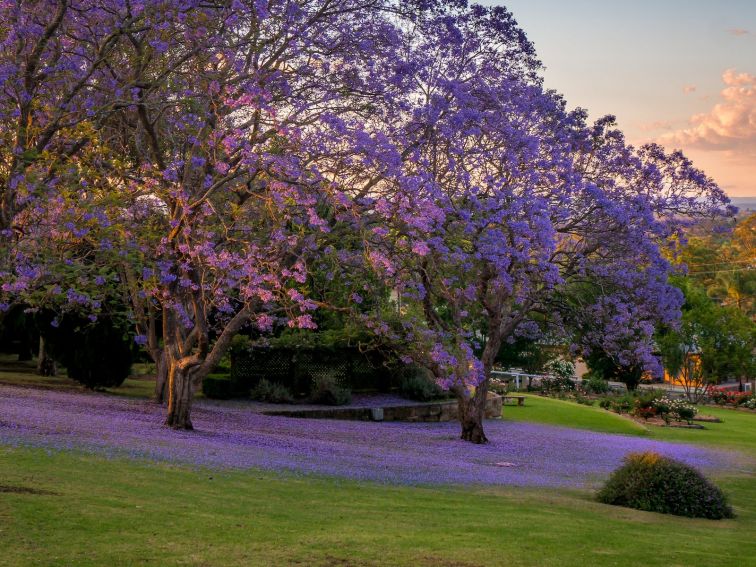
[(678, 410)]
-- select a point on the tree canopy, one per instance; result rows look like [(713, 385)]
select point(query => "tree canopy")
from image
[(208, 162)]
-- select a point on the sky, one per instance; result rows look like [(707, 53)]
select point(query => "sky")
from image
[(678, 72)]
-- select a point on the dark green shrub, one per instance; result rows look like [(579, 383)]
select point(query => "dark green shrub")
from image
[(218, 387), (328, 391), (646, 404), (272, 392), (96, 354), (583, 400), (623, 404), (651, 482), (557, 385), (417, 383), (595, 385), (605, 403), (686, 413)]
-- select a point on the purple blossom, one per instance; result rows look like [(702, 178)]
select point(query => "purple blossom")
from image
[(233, 435)]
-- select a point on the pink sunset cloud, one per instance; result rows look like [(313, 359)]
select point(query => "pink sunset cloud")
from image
[(730, 125), (722, 140)]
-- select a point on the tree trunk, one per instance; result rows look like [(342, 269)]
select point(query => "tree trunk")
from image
[(471, 413), (46, 366), (472, 409), (161, 378), (180, 394)]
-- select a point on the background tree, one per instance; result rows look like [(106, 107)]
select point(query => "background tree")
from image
[(712, 343), (721, 259)]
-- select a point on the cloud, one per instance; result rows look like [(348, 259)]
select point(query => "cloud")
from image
[(730, 125), (738, 31), (687, 89)]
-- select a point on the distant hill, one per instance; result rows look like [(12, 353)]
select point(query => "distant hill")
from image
[(745, 204)]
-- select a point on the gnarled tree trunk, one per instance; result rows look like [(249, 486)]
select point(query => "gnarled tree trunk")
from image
[(472, 408), (471, 413), (161, 378), (189, 359), (180, 393)]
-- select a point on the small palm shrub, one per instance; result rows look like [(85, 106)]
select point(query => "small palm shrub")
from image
[(654, 483)]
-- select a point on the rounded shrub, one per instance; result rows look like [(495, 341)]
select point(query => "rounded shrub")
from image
[(654, 483), (327, 390), (97, 355), (595, 385), (218, 387), (417, 383), (272, 392)]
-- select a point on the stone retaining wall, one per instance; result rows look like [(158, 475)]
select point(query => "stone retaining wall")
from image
[(428, 412)]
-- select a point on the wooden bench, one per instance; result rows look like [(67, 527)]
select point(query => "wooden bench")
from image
[(519, 399)]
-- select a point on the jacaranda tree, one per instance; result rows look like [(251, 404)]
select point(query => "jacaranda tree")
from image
[(198, 160), (204, 194), (511, 217)]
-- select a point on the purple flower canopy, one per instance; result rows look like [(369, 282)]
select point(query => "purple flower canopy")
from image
[(231, 436)]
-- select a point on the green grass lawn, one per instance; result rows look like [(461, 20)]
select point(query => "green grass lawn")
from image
[(737, 430), (82, 510), (139, 385), (67, 508), (552, 411)]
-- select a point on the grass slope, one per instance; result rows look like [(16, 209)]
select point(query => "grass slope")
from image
[(551, 411), (737, 430), (92, 511)]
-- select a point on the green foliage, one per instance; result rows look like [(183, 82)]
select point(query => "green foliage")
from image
[(272, 392), (618, 404), (417, 383), (327, 390), (218, 387), (561, 368), (651, 482), (296, 357), (603, 366), (96, 354), (718, 265), (583, 400), (557, 385), (595, 384), (677, 410), (527, 354), (712, 343)]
